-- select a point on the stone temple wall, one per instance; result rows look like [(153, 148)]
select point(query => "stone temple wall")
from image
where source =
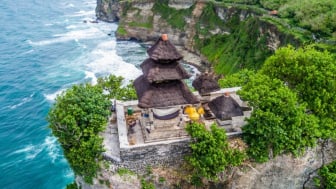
[(162, 154)]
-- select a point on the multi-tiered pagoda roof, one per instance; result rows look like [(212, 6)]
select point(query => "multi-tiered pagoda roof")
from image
[(161, 84)]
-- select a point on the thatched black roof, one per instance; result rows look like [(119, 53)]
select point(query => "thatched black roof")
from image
[(162, 94), (206, 83), (164, 52), (225, 107), (154, 72)]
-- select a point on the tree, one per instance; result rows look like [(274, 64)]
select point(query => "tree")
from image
[(311, 74), (210, 151), (76, 119), (116, 89), (278, 124), (315, 15), (237, 79), (327, 176)]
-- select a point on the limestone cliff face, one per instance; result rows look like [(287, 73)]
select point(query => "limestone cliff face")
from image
[(285, 171), (107, 10), (142, 21), (193, 24)]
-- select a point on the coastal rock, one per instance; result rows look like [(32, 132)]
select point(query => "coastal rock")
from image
[(142, 21), (285, 171), (282, 172), (178, 4), (108, 10)]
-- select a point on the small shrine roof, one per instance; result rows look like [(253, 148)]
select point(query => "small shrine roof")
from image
[(205, 83), (225, 107)]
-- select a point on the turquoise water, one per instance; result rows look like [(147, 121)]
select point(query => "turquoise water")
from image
[(45, 47)]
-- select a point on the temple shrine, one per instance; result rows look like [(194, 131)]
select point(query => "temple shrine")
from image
[(162, 93)]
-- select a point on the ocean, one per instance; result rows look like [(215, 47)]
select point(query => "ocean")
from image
[(45, 48)]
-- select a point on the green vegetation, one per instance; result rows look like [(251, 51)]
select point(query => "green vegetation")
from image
[(77, 118), (146, 184), (243, 46), (278, 124), (319, 16), (114, 86), (311, 74), (246, 47), (121, 31), (210, 151), (273, 4), (293, 98), (174, 17), (237, 79), (72, 186), (124, 171), (327, 176)]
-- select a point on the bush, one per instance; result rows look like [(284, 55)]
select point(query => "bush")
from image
[(278, 124), (79, 115), (210, 151), (76, 119), (311, 74), (327, 176)]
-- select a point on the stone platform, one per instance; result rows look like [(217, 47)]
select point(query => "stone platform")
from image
[(146, 144)]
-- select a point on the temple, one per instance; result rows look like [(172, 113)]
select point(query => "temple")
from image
[(151, 130), (161, 92)]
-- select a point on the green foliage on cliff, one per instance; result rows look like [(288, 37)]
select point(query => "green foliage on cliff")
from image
[(237, 79), (76, 118), (79, 115), (245, 47), (210, 151), (318, 16), (293, 98), (121, 31), (278, 124), (327, 176), (115, 89), (311, 74), (174, 17)]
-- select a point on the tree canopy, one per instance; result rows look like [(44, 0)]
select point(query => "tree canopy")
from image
[(210, 151), (311, 74), (116, 88), (278, 124), (76, 118), (327, 176)]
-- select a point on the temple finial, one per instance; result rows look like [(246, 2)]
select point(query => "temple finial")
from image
[(164, 37)]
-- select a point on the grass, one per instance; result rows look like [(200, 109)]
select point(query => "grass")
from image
[(124, 171), (174, 17), (121, 31)]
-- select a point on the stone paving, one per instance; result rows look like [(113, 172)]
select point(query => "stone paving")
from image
[(111, 139)]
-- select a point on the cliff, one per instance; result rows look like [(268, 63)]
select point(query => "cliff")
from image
[(283, 172), (226, 37)]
